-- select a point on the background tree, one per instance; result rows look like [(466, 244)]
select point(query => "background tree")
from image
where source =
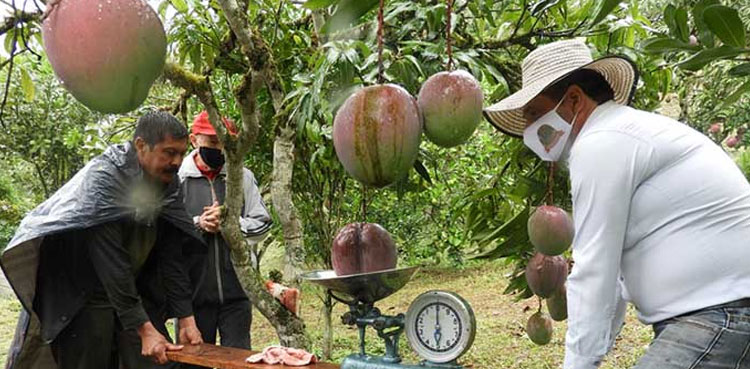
[(282, 68)]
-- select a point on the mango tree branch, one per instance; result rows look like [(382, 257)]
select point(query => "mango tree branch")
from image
[(199, 86), (289, 328), (283, 165), (237, 18), (235, 150), (524, 40), (261, 59), (282, 195), (283, 172), (273, 83), (263, 70), (16, 19), (246, 94), (180, 107)]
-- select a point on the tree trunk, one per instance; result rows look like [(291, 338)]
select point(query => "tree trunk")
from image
[(281, 193), (289, 328)]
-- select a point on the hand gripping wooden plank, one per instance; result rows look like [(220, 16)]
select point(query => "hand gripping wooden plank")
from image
[(212, 356)]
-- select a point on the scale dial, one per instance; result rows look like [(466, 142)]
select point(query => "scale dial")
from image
[(440, 326)]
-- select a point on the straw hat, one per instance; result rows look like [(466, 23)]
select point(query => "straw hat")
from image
[(549, 64)]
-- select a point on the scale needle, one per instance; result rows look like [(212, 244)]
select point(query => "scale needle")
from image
[(438, 334)]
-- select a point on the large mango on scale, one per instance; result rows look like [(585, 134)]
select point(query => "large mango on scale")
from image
[(363, 248)]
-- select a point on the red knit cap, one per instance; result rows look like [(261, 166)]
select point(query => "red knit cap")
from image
[(202, 126)]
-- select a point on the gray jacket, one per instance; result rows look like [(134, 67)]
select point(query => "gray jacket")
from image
[(220, 282)]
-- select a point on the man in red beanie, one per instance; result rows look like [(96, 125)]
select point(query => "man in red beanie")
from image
[(220, 302)]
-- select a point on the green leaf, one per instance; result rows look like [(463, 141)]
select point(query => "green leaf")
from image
[(542, 6), (725, 23), (731, 99), (669, 18), (180, 5), (677, 21), (705, 35), (665, 80), (661, 44), (347, 13), (9, 40), (704, 57), (517, 284), (740, 70), (514, 230), (195, 58), (27, 85), (162, 9), (515, 241), (415, 62), (318, 4), (420, 168), (605, 7), (526, 186), (488, 14), (681, 22), (198, 6), (38, 37)]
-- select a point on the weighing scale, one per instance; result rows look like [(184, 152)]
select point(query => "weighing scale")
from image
[(440, 325)]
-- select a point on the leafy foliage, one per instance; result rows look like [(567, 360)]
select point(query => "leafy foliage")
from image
[(716, 49), (13, 206), (463, 202)]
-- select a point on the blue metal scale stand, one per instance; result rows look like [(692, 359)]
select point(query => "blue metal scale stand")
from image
[(440, 325)]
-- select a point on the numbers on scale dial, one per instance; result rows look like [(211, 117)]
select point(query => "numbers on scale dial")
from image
[(438, 327)]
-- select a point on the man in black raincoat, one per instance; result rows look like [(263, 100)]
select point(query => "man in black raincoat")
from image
[(100, 265)]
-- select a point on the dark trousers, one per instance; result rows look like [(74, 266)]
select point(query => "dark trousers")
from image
[(231, 319), (94, 339)]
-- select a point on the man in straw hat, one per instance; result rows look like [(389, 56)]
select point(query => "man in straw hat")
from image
[(661, 213)]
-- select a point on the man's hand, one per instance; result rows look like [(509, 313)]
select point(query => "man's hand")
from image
[(154, 345), (209, 220), (189, 333)]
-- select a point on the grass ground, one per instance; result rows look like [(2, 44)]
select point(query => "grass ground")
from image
[(9, 310), (500, 341)]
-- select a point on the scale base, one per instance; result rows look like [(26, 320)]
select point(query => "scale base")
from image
[(378, 362)]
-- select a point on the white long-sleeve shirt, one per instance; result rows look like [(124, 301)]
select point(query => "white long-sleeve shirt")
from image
[(662, 220)]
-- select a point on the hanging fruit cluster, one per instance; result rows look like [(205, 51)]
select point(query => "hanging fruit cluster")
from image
[(551, 232), (377, 132)]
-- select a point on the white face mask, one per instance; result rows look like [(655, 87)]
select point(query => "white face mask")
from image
[(548, 136)]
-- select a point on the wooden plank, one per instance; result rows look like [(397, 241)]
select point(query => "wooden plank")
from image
[(212, 356)]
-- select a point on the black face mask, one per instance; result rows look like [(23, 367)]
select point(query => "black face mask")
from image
[(214, 158)]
